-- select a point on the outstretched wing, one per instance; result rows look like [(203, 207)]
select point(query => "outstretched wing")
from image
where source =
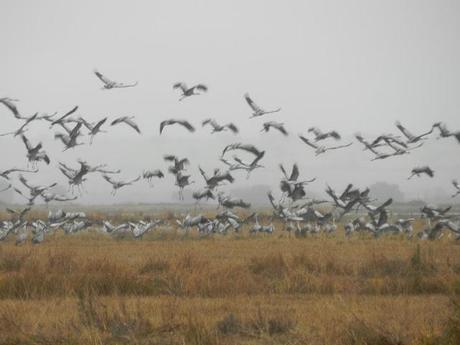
[(108, 179), (73, 110), (284, 171), (165, 123), (187, 125), (335, 135), (308, 142), (316, 131), (404, 131), (169, 158), (201, 87), (294, 173), (338, 147), (26, 142), (251, 103), (181, 86), (103, 78), (132, 124), (208, 121), (11, 106), (232, 127)]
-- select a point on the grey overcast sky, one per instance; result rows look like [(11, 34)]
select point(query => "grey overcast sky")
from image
[(353, 66)]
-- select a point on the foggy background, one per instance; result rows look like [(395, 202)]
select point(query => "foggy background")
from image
[(352, 66)]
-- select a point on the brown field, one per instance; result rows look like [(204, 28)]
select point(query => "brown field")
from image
[(176, 288)]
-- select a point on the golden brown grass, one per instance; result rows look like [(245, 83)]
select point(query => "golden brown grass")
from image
[(174, 288)]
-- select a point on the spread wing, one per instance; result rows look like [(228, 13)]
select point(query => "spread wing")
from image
[(133, 125), (232, 127), (308, 142), (181, 86), (187, 125), (294, 173), (251, 103), (26, 142), (404, 131), (103, 78), (11, 106)]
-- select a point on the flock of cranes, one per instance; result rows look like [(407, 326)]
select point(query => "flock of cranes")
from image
[(295, 210)]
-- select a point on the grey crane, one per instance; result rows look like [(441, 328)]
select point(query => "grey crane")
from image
[(417, 171), (195, 90), (276, 125), (319, 149), (320, 135), (150, 174), (218, 177), (411, 138), (227, 201), (128, 120), (110, 84), (203, 193), (433, 213), (256, 110), (183, 123), (219, 128), (70, 140), (34, 190), (116, 185), (367, 145), (48, 197), (252, 165), (179, 164), (182, 181), (93, 128), (445, 133), (109, 228), (35, 154), (245, 147)]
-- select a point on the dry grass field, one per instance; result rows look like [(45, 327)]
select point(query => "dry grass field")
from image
[(173, 287)]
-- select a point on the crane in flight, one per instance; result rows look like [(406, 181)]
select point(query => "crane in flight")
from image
[(110, 84), (195, 90), (256, 110), (319, 149)]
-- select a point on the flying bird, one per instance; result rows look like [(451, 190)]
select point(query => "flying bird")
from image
[(127, 120), (183, 123), (149, 174), (258, 111), (218, 128), (239, 146), (417, 171), (411, 138), (70, 140), (93, 128), (116, 185), (445, 133), (110, 84), (9, 103), (276, 125), (35, 154), (190, 91), (319, 135), (321, 149)]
